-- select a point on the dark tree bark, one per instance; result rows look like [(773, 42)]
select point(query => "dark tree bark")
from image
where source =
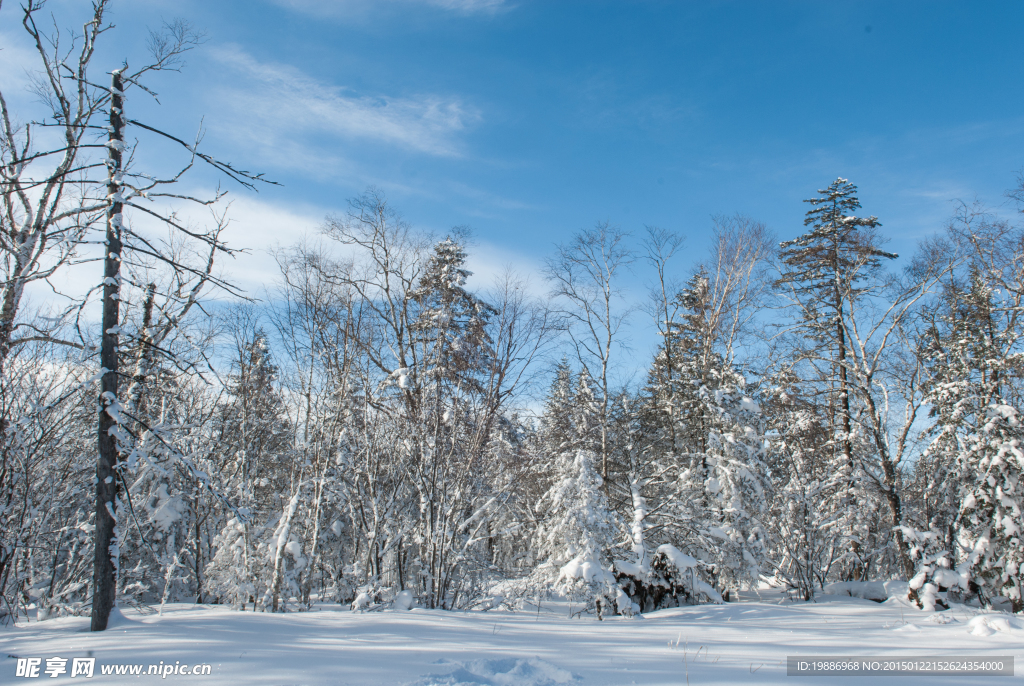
[(105, 569)]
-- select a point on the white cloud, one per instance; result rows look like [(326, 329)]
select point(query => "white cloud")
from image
[(260, 227), (489, 262), (275, 106)]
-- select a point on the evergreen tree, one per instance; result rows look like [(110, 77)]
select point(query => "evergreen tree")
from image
[(557, 423), (824, 268), (451, 322), (713, 433), (978, 435), (735, 485), (805, 542), (578, 527), (256, 444), (450, 419)]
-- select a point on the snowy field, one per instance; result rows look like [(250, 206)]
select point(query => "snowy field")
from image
[(737, 643)]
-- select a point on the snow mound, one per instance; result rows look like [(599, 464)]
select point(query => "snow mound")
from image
[(404, 600), (986, 625), (942, 619), (362, 601), (118, 618), (501, 672), (868, 590), (908, 627)]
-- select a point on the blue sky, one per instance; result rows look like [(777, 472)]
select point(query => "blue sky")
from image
[(529, 120)]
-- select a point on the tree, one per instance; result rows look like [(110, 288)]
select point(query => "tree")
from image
[(585, 276), (735, 483), (805, 542), (47, 216), (971, 348), (437, 365), (255, 440), (577, 529), (822, 270)]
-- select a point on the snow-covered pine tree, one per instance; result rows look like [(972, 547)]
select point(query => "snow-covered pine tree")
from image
[(557, 427), (804, 539), (992, 526), (822, 270), (255, 438), (452, 322), (678, 419), (978, 433), (578, 527), (735, 483), (447, 404), (688, 418), (719, 491)]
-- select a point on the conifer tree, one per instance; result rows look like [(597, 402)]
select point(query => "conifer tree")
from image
[(452, 322), (823, 269), (576, 535), (718, 444), (805, 543), (978, 434), (735, 484), (255, 438)]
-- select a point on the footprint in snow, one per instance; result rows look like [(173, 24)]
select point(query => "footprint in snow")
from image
[(501, 672)]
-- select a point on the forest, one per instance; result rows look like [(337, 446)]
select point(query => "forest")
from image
[(371, 431)]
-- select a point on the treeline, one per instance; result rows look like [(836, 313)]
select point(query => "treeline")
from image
[(811, 415)]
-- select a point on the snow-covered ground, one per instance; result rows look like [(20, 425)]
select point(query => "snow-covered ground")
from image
[(737, 643)]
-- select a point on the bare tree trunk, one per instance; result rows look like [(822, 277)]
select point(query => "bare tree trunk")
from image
[(105, 565), (282, 534)]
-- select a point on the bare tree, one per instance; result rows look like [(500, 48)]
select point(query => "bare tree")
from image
[(52, 187), (53, 198), (740, 280), (659, 247), (585, 276)]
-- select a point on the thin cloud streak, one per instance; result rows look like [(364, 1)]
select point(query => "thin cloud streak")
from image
[(274, 101)]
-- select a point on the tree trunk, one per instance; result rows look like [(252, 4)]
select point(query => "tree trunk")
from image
[(282, 534), (844, 401), (105, 564)]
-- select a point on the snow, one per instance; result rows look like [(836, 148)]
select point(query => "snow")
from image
[(404, 600), (679, 559), (744, 642), (869, 590), (402, 374), (987, 625), (294, 549), (510, 671), (629, 569), (585, 568), (748, 405), (168, 509)]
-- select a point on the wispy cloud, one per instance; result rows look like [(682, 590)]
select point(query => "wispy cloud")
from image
[(276, 105), (17, 59), (335, 8)]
